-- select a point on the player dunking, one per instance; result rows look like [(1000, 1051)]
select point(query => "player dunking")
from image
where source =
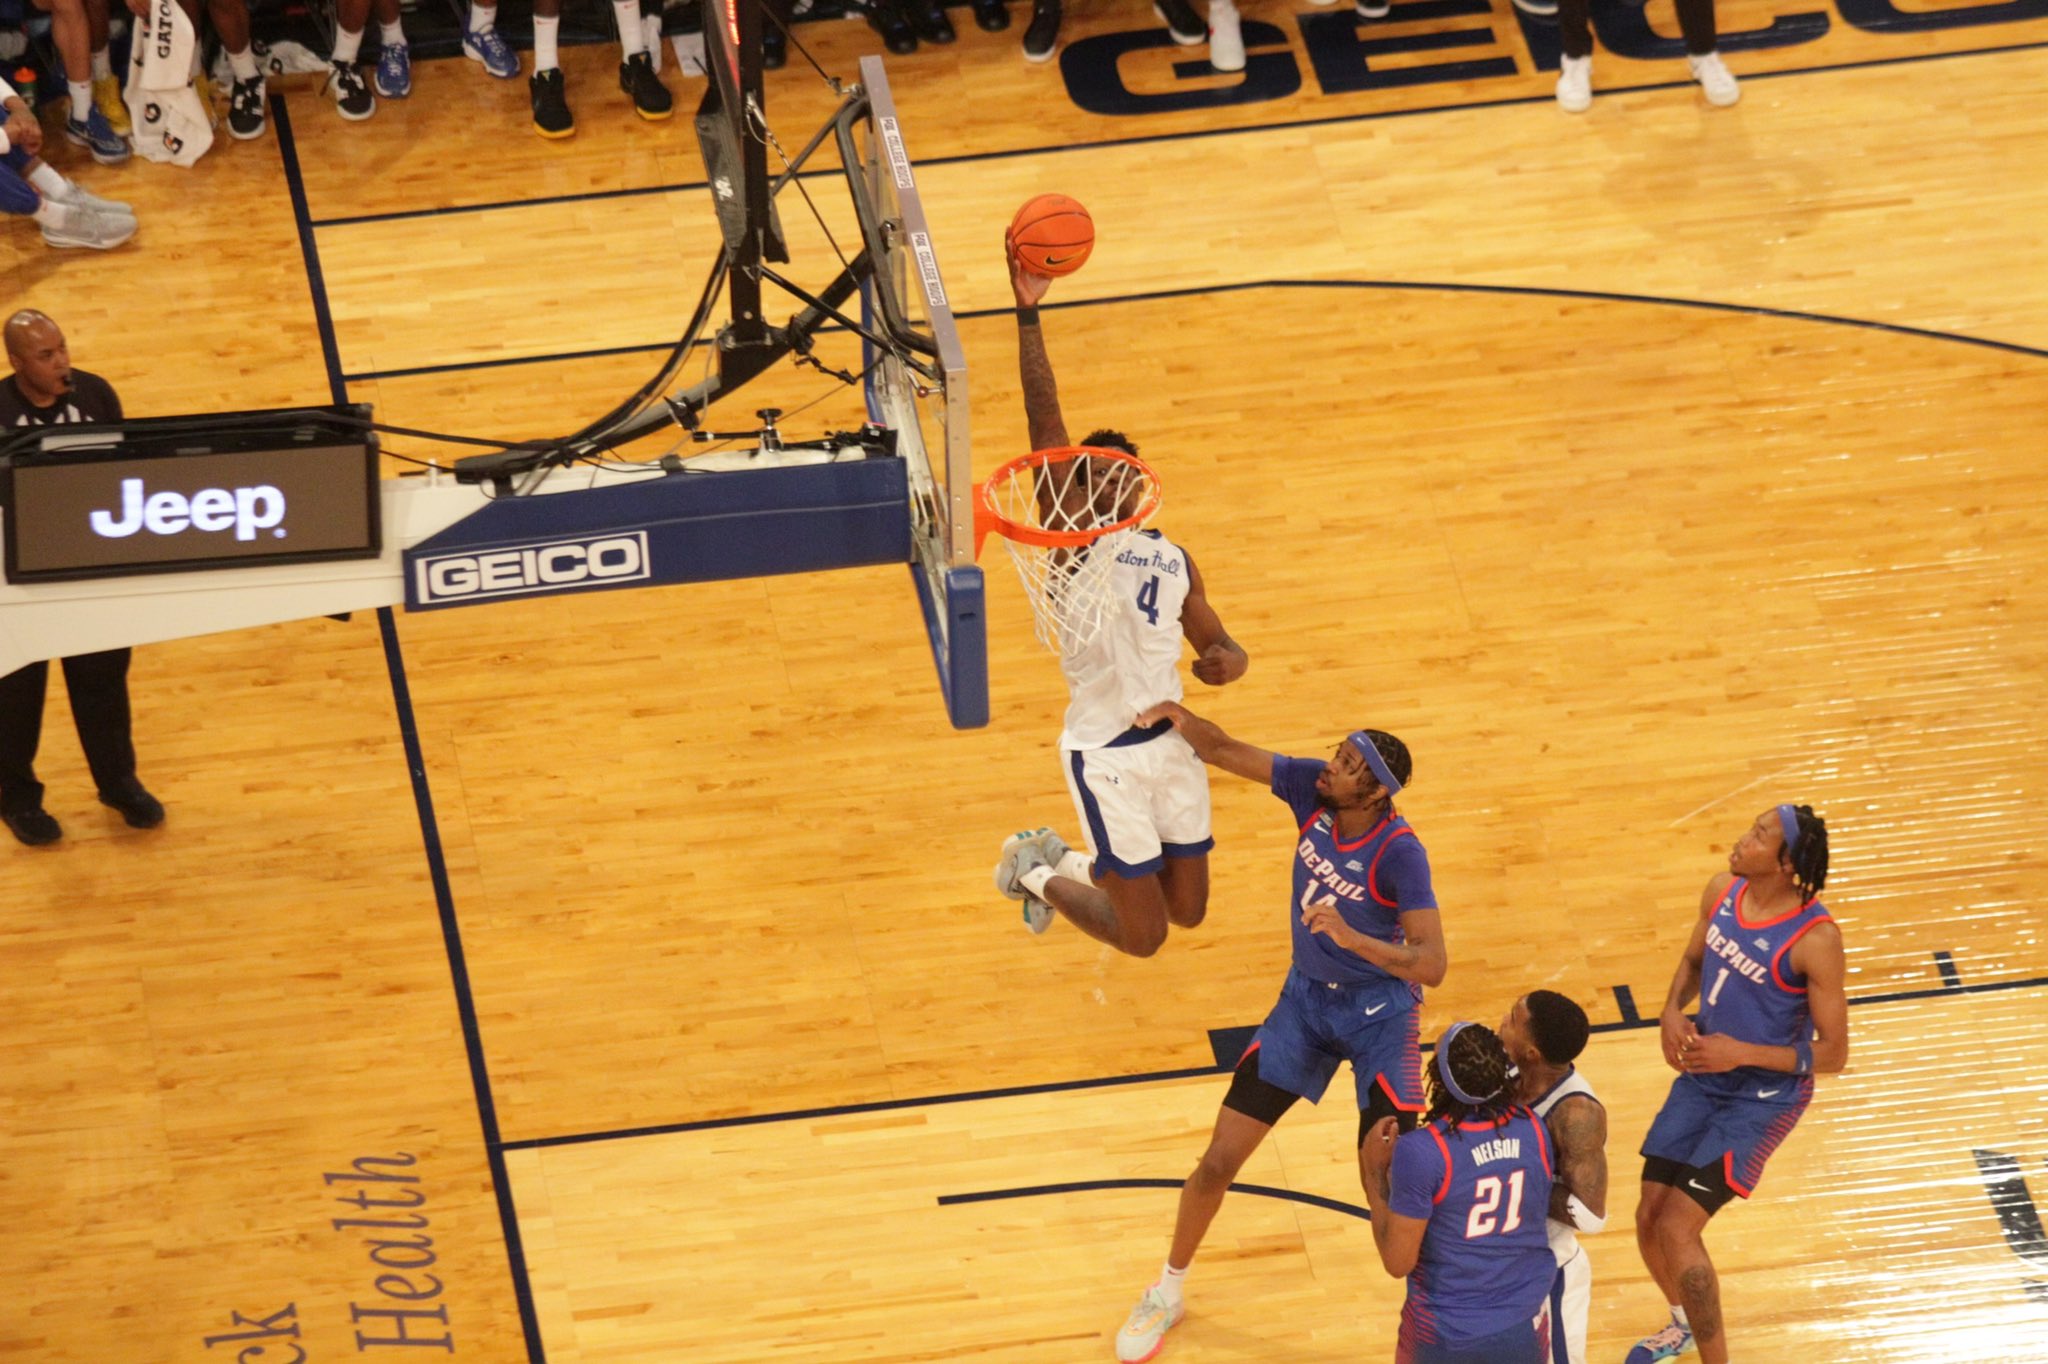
[(1544, 1034), (1141, 793), (1765, 962), (1367, 938), (1457, 1211)]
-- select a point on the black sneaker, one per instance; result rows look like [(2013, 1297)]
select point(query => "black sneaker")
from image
[(137, 806), (1044, 34), (886, 19), (1187, 27), (651, 99), (931, 22), (33, 827), (774, 45), (551, 117), (351, 96), (991, 16), (245, 109)]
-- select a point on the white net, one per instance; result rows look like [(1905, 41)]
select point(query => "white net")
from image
[(1086, 504)]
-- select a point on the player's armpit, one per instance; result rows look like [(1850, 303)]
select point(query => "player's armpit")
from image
[(1578, 1129)]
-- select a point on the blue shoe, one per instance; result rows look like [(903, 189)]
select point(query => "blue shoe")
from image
[(1669, 1343), (394, 71), (493, 51), (96, 135)]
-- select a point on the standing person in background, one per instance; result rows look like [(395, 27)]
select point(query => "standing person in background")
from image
[(1702, 44), (44, 390)]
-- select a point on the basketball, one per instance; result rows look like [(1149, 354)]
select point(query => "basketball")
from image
[(1051, 235)]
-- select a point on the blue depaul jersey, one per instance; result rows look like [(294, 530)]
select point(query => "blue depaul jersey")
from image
[(1371, 880), (1484, 1188), (1748, 989)]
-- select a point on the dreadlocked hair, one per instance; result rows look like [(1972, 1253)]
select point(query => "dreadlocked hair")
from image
[(1393, 753), (1480, 1063), (1810, 854), (1108, 438)]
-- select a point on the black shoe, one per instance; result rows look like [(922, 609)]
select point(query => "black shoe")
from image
[(651, 99), (774, 45), (551, 116), (897, 34), (991, 16), (137, 806), (34, 827), (932, 24), (1044, 34), (245, 109), (1187, 27), (351, 95)]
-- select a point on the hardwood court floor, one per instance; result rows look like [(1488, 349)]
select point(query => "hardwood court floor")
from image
[(1620, 569)]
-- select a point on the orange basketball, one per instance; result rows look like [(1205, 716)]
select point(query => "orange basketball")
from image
[(1051, 235)]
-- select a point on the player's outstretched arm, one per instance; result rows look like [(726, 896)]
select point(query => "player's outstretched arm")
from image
[(1041, 395), (1578, 1129), (1677, 1030), (1398, 1238), (1218, 658), (1212, 745)]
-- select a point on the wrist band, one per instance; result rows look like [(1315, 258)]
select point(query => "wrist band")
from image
[(1028, 316), (1802, 1057)]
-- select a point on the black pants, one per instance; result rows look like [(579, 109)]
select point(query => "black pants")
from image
[(99, 704), (1695, 20)]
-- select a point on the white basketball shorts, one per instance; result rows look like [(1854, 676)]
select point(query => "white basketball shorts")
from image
[(1140, 803), (1571, 1298)]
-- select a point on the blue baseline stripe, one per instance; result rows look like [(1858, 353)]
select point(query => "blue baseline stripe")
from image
[(423, 797), (1089, 1185), (1144, 139), (1410, 286), (1113, 1081)]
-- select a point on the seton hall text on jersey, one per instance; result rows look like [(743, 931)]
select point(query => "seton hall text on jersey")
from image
[(1325, 871), (1720, 945), (1138, 558), (1500, 1148)]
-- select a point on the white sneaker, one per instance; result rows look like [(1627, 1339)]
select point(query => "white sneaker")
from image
[(1546, 8), (1575, 85), (1717, 82), (77, 196), (1372, 9), (1021, 852), (1226, 37), (85, 227), (1145, 1329)]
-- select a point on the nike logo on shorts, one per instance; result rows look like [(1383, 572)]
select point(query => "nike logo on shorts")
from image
[(1374, 1009), (1767, 1093), (1695, 1184)]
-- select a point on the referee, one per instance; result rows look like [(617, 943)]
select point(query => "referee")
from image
[(44, 390)]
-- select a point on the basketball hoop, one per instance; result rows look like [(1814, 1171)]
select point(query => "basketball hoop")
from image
[(1053, 508)]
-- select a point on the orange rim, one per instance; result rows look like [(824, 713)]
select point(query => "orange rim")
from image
[(987, 519)]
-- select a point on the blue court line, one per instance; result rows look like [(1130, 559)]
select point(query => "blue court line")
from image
[(1412, 286), (423, 796), (1089, 1185), (1117, 1081), (1144, 139)]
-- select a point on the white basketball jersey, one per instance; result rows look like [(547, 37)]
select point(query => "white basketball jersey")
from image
[(1564, 1238), (1134, 660)]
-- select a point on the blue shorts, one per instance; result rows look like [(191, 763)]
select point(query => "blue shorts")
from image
[(1525, 1343), (1736, 1125), (1372, 1024)]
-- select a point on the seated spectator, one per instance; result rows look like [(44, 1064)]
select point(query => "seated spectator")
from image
[(546, 88), (79, 28), (30, 188)]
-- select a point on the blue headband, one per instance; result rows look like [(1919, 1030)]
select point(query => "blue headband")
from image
[(1443, 1068), (1788, 822), (1362, 741)]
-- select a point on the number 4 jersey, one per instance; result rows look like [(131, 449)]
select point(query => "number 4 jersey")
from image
[(1133, 661), (1485, 1190)]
